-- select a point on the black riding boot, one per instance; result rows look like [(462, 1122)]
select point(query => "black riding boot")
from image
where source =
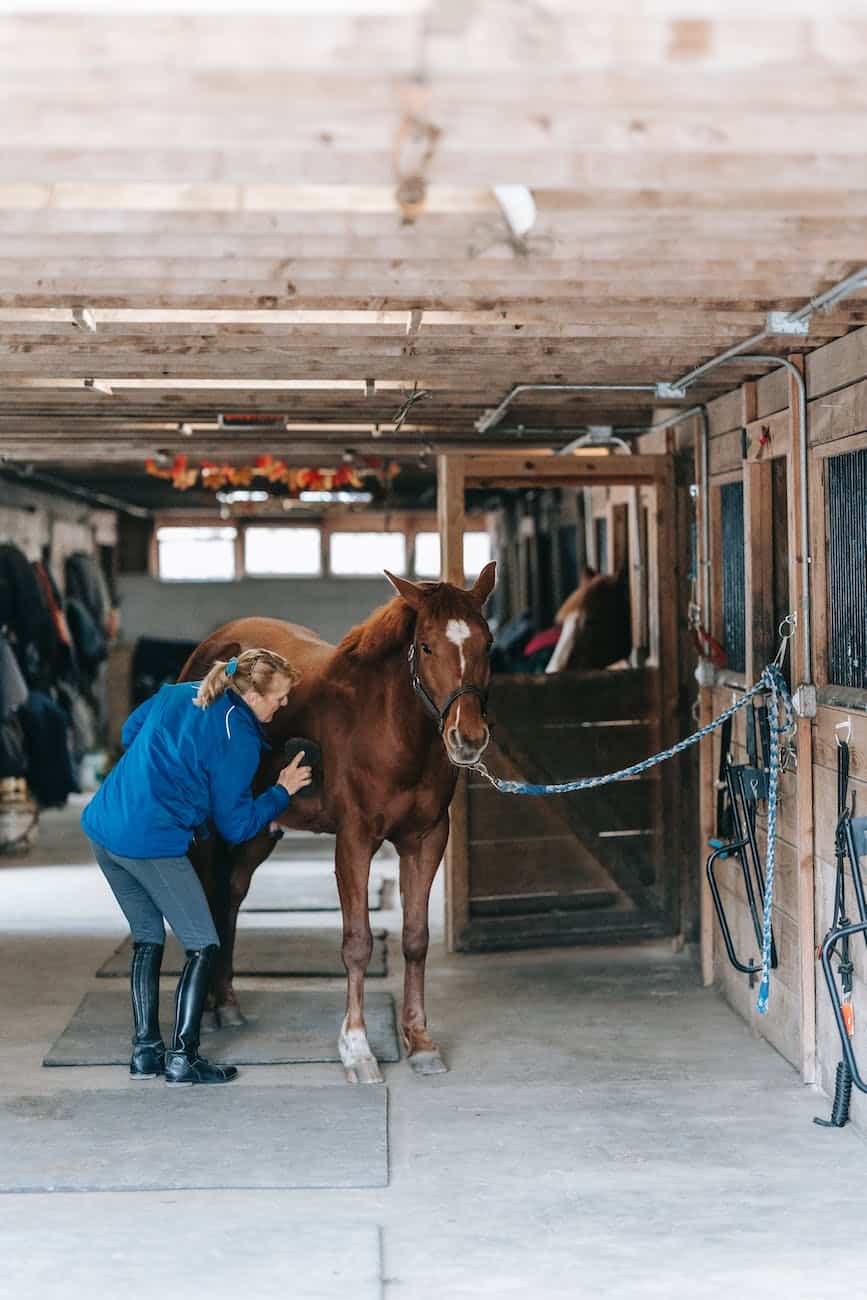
[(148, 1048), (183, 1063)]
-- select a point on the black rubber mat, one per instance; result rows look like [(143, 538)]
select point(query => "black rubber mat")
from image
[(285, 1028)]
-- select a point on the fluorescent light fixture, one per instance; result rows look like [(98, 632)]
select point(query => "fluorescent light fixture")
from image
[(99, 386), (83, 318), (518, 208), (342, 498)]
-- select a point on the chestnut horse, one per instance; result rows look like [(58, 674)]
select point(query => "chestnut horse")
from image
[(396, 708), (596, 623)]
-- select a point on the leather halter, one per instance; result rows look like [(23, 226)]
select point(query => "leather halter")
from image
[(439, 715)]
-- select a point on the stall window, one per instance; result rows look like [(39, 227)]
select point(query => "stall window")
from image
[(295, 552), (846, 479), (367, 553), (733, 575), (196, 554), (426, 559)]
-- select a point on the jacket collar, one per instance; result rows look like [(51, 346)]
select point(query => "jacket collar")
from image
[(242, 704)]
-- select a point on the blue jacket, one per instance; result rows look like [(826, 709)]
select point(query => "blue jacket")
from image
[(183, 765)]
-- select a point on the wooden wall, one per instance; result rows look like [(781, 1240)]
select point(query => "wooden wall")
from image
[(751, 427)]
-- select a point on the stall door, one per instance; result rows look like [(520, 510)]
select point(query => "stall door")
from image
[(581, 867)]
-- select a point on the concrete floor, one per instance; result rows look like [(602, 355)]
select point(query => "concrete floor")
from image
[(608, 1129)]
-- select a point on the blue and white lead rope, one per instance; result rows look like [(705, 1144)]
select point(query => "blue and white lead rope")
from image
[(771, 681)]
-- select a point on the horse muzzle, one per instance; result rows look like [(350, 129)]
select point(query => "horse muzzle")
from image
[(464, 751)]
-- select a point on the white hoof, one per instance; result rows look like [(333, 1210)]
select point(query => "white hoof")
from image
[(358, 1061)]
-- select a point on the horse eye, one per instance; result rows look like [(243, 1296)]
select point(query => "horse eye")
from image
[(426, 648)]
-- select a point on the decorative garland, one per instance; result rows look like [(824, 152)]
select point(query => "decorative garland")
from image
[(208, 474)]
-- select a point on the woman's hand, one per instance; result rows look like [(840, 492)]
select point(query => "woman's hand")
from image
[(294, 778)]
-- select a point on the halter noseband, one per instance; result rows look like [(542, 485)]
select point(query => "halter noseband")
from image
[(439, 715)]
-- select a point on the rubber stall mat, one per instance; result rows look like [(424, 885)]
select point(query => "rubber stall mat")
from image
[(288, 1028)]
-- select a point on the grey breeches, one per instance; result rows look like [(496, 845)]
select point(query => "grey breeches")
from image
[(149, 889)]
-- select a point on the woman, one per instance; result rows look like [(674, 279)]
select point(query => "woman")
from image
[(192, 751)]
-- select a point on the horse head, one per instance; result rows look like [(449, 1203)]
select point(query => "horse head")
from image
[(448, 659), (596, 623)]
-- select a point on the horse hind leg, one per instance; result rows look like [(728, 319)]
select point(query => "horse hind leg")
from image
[(419, 859), (243, 862), (352, 862)]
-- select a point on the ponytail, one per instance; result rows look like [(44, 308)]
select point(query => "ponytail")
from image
[(251, 668)]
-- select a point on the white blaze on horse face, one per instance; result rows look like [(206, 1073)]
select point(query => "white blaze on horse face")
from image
[(563, 649), (457, 632)]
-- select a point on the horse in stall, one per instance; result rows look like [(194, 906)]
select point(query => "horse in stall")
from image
[(396, 708), (596, 624)]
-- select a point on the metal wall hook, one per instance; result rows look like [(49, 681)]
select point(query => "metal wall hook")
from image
[(790, 622), (846, 726)]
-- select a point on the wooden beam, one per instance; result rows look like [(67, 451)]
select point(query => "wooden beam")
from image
[(265, 316), (573, 471)]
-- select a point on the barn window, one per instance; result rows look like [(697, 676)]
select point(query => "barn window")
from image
[(367, 553), (282, 551), (196, 554), (846, 478), (477, 553), (733, 583)]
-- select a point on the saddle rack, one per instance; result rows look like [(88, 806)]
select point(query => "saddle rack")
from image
[(745, 785)]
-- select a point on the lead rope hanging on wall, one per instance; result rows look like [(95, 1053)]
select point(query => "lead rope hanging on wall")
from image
[(780, 722)]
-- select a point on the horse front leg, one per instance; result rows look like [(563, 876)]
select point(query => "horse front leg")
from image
[(353, 852), (420, 856)]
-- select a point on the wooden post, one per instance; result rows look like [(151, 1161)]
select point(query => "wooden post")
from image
[(707, 817), (450, 512), (667, 579), (758, 550), (707, 770), (804, 744)]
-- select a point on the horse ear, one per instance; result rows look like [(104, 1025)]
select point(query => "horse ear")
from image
[(410, 592), (484, 583)]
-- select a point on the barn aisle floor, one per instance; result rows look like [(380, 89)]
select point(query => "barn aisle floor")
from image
[(608, 1129)]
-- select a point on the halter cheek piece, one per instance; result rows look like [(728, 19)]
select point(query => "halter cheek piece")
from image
[(439, 715)]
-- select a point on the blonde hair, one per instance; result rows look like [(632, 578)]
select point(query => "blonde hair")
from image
[(251, 668)]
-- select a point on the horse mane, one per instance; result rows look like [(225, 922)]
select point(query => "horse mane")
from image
[(390, 627), (385, 630)]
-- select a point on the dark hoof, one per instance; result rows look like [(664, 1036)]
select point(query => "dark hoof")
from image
[(210, 1021), (425, 1064), (230, 1017)]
